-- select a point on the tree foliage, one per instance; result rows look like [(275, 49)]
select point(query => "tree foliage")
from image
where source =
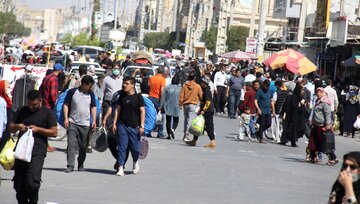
[(157, 40), (11, 27), (209, 37), (80, 39), (236, 38)]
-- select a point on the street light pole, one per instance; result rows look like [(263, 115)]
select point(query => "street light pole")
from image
[(115, 14), (261, 35)]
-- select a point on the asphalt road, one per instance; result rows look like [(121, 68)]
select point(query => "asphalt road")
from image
[(173, 173)]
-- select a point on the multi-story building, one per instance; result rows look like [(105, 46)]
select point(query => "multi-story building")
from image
[(53, 22)]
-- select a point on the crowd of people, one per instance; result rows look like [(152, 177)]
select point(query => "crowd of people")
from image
[(276, 105)]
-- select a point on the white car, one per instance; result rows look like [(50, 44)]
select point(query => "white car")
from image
[(74, 68), (130, 70)]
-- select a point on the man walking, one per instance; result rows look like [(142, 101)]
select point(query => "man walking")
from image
[(332, 95), (263, 107), (79, 104), (129, 121), (278, 101), (235, 86), (49, 91), (190, 96), (221, 98), (42, 121), (111, 84), (157, 85)]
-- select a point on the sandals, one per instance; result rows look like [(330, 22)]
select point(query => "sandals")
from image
[(332, 162)]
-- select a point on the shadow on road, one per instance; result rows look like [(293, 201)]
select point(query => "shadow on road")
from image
[(292, 159), (99, 171)]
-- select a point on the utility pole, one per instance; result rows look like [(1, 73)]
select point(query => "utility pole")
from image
[(115, 14), (358, 12), (341, 7), (302, 21), (261, 35), (252, 20)]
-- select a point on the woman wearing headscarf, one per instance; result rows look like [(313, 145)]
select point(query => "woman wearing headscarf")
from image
[(346, 188), (351, 109), (321, 121), (4, 93), (295, 110)]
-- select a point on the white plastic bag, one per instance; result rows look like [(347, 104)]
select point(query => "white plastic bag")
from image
[(25, 146), (357, 123), (159, 118)]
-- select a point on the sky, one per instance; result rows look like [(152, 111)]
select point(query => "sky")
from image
[(44, 4)]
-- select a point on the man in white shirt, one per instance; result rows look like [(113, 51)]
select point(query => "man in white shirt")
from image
[(221, 98), (332, 95), (250, 77)]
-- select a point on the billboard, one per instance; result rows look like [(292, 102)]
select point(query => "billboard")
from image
[(279, 9), (292, 9)]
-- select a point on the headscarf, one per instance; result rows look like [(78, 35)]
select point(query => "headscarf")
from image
[(338, 188), (324, 98), (4, 95)]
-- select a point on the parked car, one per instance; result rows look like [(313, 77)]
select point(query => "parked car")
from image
[(74, 68), (130, 70), (93, 51)]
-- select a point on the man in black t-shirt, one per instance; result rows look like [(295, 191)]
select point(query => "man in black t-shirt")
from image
[(43, 123), (129, 121)]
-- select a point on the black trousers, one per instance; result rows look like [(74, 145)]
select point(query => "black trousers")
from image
[(221, 99), (209, 126), (27, 179), (264, 121), (171, 123)]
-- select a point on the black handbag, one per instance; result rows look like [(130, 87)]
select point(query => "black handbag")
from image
[(99, 139), (327, 142)]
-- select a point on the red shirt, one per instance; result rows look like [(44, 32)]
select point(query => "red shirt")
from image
[(49, 90), (249, 101)]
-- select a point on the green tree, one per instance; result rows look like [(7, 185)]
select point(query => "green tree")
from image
[(67, 38), (236, 38), (209, 37), (9, 26), (157, 40)]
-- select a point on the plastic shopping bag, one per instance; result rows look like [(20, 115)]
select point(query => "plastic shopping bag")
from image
[(197, 126), (7, 159), (144, 147), (25, 146), (357, 123), (159, 118), (99, 139)]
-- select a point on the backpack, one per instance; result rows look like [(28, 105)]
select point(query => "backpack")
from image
[(60, 103), (150, 116)]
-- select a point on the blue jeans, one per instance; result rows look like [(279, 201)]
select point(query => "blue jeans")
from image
[(160, 128), (128, 137), (234, 102), (252, 125)]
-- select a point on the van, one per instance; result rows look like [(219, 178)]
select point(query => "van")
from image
[(93, 51)]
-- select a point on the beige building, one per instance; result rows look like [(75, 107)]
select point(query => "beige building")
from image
[(53, 23)]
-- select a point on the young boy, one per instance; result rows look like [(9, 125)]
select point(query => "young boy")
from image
[(207, 110), (244, 125)]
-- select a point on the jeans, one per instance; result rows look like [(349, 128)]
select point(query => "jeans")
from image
[(171, 123), (129, 137), (160, 127), (77, 136), (189, 115), (234, 101), (252, 125), (264, 121)]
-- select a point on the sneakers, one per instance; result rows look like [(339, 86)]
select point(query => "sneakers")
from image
[(81, 168), (136, 168), (212, 144), (186, 139), (69, 169), (191, 143), (120, 171)]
